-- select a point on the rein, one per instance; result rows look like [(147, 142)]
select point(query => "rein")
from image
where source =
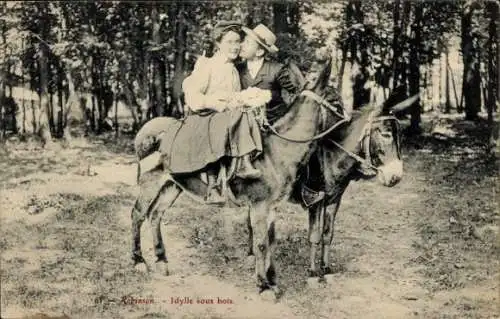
[(325, 104), (366, 162)]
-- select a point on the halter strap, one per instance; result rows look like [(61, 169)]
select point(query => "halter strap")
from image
[(358, 158), (321, 102)]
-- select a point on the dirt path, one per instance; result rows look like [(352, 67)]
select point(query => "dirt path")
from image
[(376, 254)]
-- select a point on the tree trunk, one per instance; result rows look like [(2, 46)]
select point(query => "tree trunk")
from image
[(33, 115), (396, 47), (72, 98), (128, 92), (179, 62), (471, 78), (405, 65), (159, 70), (280, 22), (342, 68), (52, 124), (361, 96), (117, 127), (23, 102), (453, 83), (98, 110), (3, 121), (414, 79), (294, 16), (92, 114), (3, 85), (100, 97), (447, 108), (345, 46), (493, 53), (60, 97), (43, 120), (440, 82)]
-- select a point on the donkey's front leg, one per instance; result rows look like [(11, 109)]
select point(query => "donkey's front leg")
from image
[(314, 234), (250, 257), (328, 232), (262, 222)]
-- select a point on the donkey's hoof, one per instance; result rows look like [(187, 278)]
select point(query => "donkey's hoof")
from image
[(327, 270), (141, 267), (269, 295), (315, 282), (313, 273), (249, 262), (331, 279), (161, 268)]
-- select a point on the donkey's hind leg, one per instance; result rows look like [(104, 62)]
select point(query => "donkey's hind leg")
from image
[(138, 216), (151, 185), (263, 224), (165, 199)]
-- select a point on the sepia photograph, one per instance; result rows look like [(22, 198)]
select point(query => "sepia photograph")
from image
[(243, 159)]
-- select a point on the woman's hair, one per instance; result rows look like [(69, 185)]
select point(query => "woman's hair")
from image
[(224, 27)]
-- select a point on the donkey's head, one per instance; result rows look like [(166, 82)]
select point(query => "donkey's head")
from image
[(381, 142)]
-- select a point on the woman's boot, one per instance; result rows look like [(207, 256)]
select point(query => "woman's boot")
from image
[(247, 170)]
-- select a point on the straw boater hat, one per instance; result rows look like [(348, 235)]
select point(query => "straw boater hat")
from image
[(263, 36)]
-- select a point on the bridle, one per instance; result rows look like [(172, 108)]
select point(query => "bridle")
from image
[(322, 102), (364, 140)]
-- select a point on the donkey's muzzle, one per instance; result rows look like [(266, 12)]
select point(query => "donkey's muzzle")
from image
[(391, 173)]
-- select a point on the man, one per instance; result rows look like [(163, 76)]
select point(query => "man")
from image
[(259, 71)]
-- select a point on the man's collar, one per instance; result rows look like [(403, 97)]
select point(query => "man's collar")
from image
[(256, 61)]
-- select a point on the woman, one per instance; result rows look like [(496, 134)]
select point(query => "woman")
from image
[(213, 87)]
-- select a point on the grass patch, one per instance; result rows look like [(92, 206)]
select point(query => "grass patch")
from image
[(83, 259), (459, 208)]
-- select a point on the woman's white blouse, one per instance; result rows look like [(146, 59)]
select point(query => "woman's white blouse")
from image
[(211, 84)]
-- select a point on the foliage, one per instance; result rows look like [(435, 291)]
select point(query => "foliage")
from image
[(123, 45)]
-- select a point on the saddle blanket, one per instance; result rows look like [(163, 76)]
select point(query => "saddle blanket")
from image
[(189, 145)]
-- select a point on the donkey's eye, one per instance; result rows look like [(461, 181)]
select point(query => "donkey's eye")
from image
[(386, 134)]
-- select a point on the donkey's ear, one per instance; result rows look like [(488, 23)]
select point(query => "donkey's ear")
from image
[(318, 78), (403, 105)]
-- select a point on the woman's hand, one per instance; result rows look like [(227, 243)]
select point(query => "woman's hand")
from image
[(218, 101), (255, 97)]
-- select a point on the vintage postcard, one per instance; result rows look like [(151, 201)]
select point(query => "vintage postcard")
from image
[(249, 159)]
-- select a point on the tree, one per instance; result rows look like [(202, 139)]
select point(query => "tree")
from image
[(492, 9), (414, 66), (159, 68), (471, 87)]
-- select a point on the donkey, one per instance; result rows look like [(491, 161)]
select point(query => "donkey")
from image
[(370, 146), (283, 154)]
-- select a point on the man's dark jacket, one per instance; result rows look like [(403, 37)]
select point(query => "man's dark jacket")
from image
[(276, 77)]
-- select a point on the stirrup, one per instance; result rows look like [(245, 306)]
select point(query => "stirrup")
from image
[(218, 199), (311, 197)]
